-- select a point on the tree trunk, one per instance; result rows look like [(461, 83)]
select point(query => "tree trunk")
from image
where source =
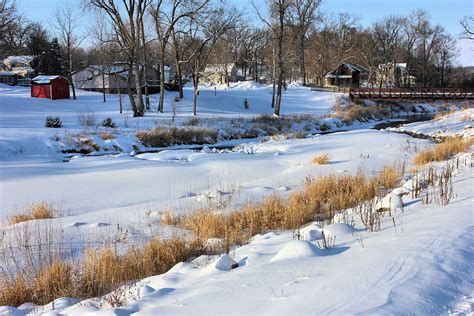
[(130, 93), (70, 76), (196, 84), (302, 65), (280, 66), (138, 87), (103, 83), (162, 81), (273, 74), (145, 67), (178, 65)]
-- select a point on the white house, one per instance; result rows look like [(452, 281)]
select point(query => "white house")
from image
[(99, 78)]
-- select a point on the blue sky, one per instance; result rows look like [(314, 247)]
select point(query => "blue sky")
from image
[(447, 13)]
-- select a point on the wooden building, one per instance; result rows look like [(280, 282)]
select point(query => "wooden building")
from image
[(345, 75), (50, 87)]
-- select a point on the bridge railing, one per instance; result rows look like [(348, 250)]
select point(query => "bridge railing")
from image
[(411, 93)]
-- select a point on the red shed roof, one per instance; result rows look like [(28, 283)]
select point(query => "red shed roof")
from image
[(44, 79)]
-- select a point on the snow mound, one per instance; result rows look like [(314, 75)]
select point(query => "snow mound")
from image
[(223, 263), (338, 229), (311, 232), (296, 249), (391, 202), (401, 191)]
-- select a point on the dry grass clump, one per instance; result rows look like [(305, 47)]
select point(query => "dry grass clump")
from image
[(15, 291), (466, 117), (107, 136), (350, 114), (50, 282), (322, 159), (37, 211), (318, 199), (442, 151), (160, 137), (440, 115), (54, 281), (389, 177)]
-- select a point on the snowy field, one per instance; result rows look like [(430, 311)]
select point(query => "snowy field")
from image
[(420, 266)]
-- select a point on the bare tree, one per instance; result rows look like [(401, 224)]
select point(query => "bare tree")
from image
[(165, 18), (302, 15), (467, 24), (278, 10), (66, 24), (125, 17), (204, 31)]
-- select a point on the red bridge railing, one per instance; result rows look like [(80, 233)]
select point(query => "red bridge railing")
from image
[(411, 93)]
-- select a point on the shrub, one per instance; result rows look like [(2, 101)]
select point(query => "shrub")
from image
[(322, 159), (159, 137), (107, 122), (53, 122), (37, 211), (442, 151)]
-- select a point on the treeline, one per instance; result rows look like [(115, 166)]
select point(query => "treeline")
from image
[(286, 40)]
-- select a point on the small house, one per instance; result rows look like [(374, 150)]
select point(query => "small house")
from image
[(394, 75), (108, 79), (50, 87), (222, 73), (345, 75)]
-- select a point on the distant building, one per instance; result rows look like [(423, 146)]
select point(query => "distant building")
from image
[(396, 75), (114, 78), (222, 73), (345, 75), (110, 78), (20, 65)]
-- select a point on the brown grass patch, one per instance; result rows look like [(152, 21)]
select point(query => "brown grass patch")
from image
[(442, 151), (322, 159), (107, 136), (318, 199), (38, 211), (159, 137)]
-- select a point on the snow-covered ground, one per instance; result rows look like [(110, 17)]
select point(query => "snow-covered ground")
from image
[(420, 266), (458, 123), (423, 267)]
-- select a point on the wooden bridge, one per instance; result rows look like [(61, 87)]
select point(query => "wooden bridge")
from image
[(411, 93)]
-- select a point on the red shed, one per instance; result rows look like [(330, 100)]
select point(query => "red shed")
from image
[(50, 87)]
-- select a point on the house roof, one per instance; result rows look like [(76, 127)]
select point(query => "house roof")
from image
[(22, 59), (44, 79), (352, 68), (210, 68)]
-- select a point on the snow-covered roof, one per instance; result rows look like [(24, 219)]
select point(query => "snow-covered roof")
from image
[(22, 59), (331, 75), (219, 68), (44, 79)]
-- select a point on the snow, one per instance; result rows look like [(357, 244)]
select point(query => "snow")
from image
[(296, 249), (412, 269), (459, 123), (418, 263)]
